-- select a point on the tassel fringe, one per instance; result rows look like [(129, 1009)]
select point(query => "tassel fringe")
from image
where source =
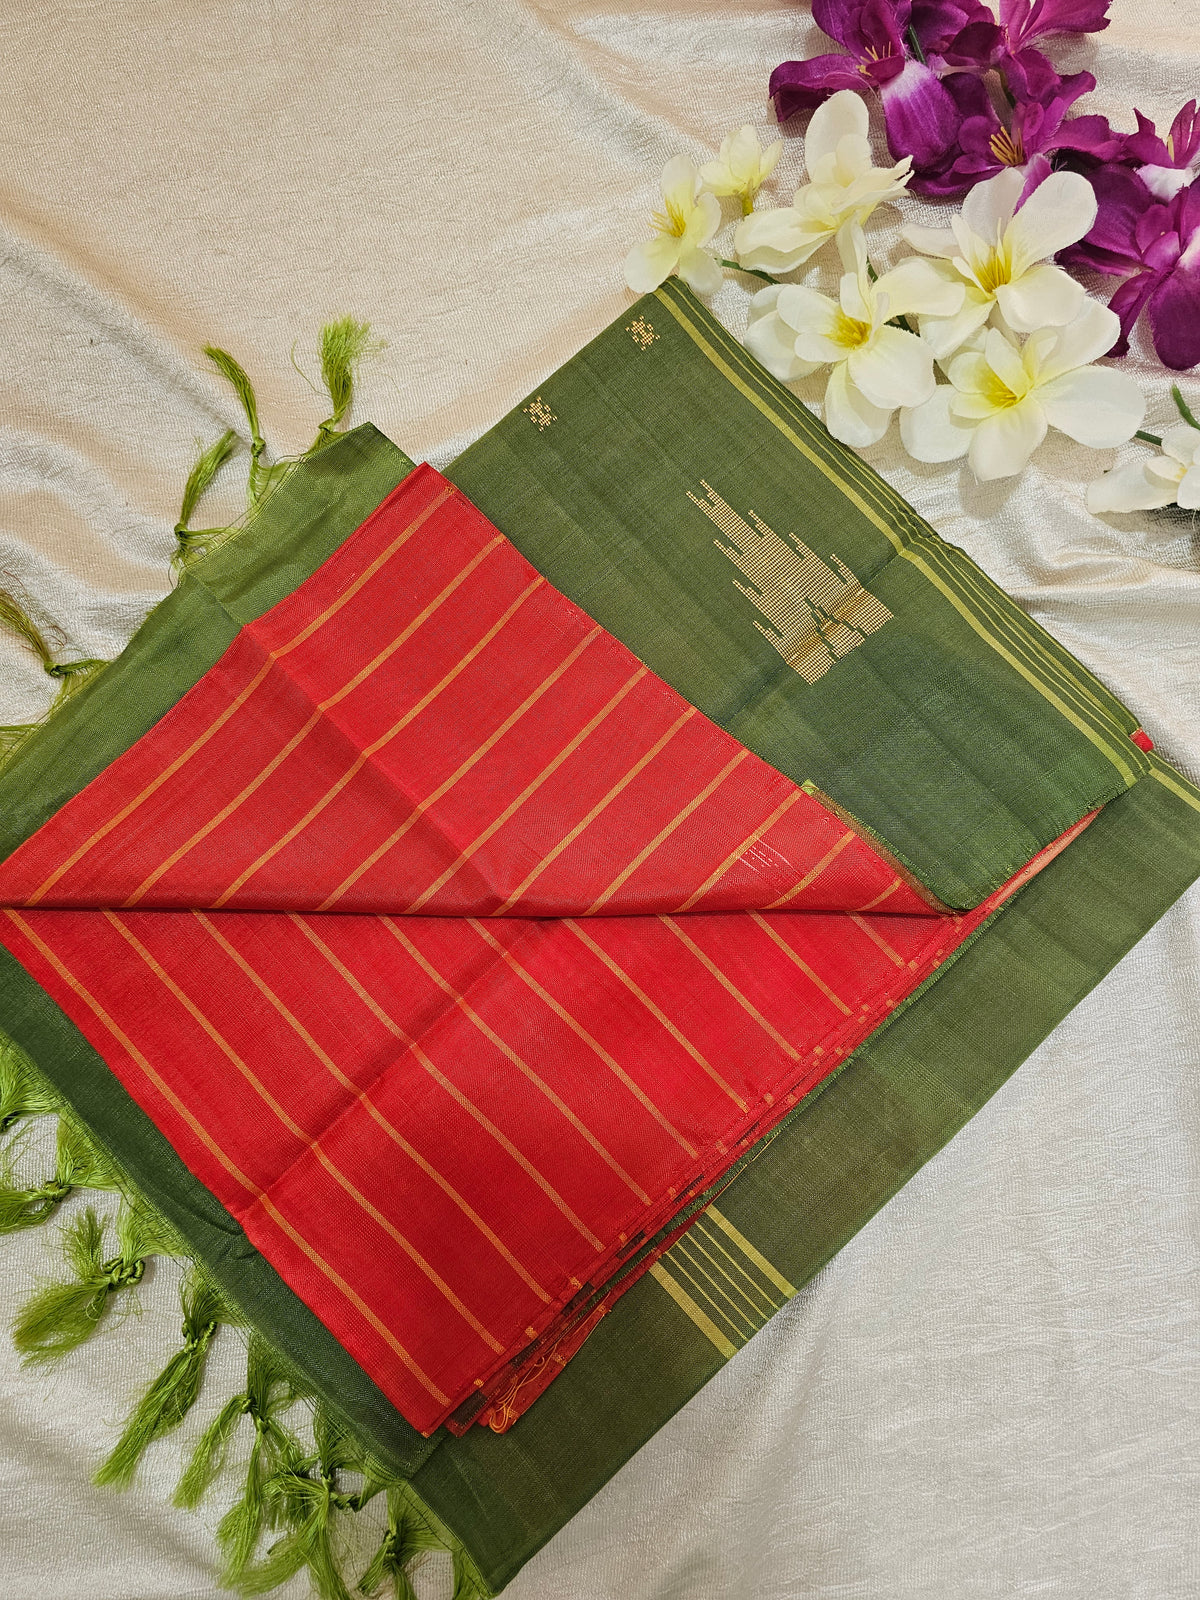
[(69, 675)]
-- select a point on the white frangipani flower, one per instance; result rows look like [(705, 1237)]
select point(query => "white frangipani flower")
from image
[(1000, 401), (1170, 479), (794, 330), (742, 167), (845, 187), (1001, 255), (682, 229)]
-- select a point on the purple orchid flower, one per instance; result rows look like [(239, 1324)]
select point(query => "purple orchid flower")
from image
[(1165, 165), (919, 114), (1035, 128), (1155, 246)]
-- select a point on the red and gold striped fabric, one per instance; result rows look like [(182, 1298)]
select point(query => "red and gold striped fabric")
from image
[(455, 952)]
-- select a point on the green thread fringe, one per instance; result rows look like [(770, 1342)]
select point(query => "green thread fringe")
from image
[(294, 1496), (69, 675)]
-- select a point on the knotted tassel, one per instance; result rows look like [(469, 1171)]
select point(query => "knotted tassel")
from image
[(208, 464), (61, 1316), (344, 343), (170, 1397), (23, 1090), (406, 1537), (305, 1499), (270, 1391), (78, 1165), (262, 475), (69, 675)]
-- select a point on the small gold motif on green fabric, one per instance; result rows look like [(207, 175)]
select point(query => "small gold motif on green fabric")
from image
[(641, 332), (816, 614), (538, 411)]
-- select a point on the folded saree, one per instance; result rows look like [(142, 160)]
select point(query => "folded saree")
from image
[(510, 928)]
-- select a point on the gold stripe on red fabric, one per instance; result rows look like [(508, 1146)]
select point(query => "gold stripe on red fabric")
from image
[(814, 873), (802, 964), (731, 988), (736, 855)]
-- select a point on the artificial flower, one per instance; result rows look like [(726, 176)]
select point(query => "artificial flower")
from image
[(845, 186), (998, 249), (682, 229), (919, 114), (742, 167), (1165, 165), (1172, 478), (1000, 400), (876, 367), (1155, 247)]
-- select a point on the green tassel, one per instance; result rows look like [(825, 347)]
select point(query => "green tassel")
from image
[(69, 675), (304, 1499), (78, 1165), (262, 475), (270, 1391), (170, 1397), (202, 474), (344, 344), (401, 1543), (60, 1317), (23, 1090)]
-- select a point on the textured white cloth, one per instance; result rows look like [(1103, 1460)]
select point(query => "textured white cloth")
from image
[(994, 1391)]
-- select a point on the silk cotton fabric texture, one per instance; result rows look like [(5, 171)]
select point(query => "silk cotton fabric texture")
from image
[(980, 1393)]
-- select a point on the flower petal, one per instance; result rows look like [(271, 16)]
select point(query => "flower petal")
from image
[(1058, 213), (843, 113), (1129, 488), (930, 432), (1084, 339), (849, 415), (779, 239), (812, 317), (1175, 317), (988, 209), (1005, 361), (1042, 297), (679, 180), (770, 339), (1181, 443), (651, 263), (700, 270), (926, 288), (1096, 406), (894, 369), (703, 222), (944, 334), (919, 114), (1188, 493), (1004, 442), (931, 241)]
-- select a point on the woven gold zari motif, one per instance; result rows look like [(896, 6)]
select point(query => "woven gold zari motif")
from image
[(816, 614)]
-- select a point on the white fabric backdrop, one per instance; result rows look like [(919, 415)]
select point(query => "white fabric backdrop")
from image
[(994, 1390)]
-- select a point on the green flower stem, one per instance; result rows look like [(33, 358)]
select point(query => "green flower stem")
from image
[(1185, 411), (915, 45), (1150, 438), (735, 266)]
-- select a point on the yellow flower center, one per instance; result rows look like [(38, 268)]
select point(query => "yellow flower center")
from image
[(997, 393), (672, 222), (849, 332), (993, 269), (1009, 152)]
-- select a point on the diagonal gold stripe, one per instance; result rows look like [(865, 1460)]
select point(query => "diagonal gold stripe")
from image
[(622, 783), (456, 1094), (880, 898), (360, 761), (551, 767), (770, 1272), (300, 1133), (876, 937), (362, 1098), (813, 874), (522, 1066), (214, 1149), (684, 1257), (127, 1044), (676, 821), (656, 1012), (731, 988), (577, 1028), (298, 738), (691, 1310), (235, 705), (444, 788), (710, 1237), (803, 965), (760, 1302), (736, 855), (902, 549)]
